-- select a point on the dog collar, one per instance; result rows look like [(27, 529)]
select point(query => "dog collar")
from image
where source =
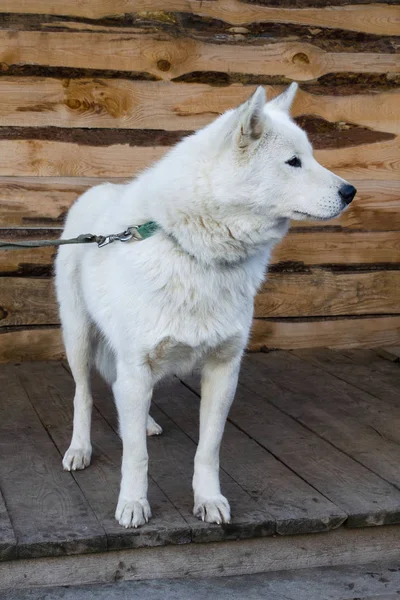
[(135, 232)]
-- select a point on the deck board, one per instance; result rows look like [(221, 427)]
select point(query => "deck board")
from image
[(8, 541), (367, 498), (49, 514), (100, 482), (312, 443), (171, 466), (295, 506)]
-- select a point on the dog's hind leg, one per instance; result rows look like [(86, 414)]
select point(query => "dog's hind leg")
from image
[(218, 386), (77, 338)]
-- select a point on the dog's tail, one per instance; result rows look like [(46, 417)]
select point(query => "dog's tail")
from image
[(104, 360)]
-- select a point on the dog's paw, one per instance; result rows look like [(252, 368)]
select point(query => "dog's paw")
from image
[(152, 427), (133, 513), (213, 510), (76, 459)]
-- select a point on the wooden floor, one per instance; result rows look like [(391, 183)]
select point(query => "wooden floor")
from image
[(312, 444)]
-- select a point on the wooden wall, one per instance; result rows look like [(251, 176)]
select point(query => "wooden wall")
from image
[(97, 90)]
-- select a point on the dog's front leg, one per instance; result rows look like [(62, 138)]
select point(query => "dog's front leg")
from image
[(218, 386), (132, 390)]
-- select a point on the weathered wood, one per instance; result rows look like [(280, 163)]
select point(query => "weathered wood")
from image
[(44, 201), (364, 332), (311, 293), (120, 103), (295, 252), (349, 419), (37, 343), (322, 292), (8, 542), (295, 506), (379, 17), (171, 466), (340, 547), (363, 369), (51, 390), (45, 343), (367, 498), (169, 59), (51, 158), (48, 511), (391, 352), (27, 301)]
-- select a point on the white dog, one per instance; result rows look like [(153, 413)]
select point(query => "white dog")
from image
[(222, 198)]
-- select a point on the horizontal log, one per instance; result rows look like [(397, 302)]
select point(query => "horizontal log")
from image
[(27, 301), (295, 253), (120, 103), (211, 30), (35, 343), (377, 17), (44, 201), (45, 343), (314, 293), (379, 161), (321, 292), (363, 332), (169, 59)]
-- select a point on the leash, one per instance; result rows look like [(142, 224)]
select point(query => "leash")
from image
[(136, 232)]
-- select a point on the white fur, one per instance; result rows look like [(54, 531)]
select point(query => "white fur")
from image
[(223, 198)]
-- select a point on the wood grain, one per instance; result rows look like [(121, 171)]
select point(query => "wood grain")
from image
[(295, 252), (44, 202), (294, 505), (48, 511), (379, 18), (37, 343), (366, 498), (348, 418), (366, 332), (169, 59), (8, 542), (30, 157), (341, 547), (321, 292), (120, 103), (315, 293), (51, 389)]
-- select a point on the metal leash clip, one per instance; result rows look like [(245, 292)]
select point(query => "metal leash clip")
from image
[(129, 234)]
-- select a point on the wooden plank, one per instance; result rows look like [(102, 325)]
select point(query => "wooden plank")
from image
[(8, 542), (171, 466), (367, 499), (346, 417), (30, 157), (353, 332), (296, 250), (279, 553), (51, 395), (322, 292), (37, 343), (379, 18), (44, 201), (45, 343), (318, 292), (27, 301), (295, 506), (363, 369), (168, 59), (49, 513), (390, 352), (121, 103)]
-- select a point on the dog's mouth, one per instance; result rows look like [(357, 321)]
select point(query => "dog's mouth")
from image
[(302, 216)]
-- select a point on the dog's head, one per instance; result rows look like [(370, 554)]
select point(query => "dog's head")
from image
[(269, 163)]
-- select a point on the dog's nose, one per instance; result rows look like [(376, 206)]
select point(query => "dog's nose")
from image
[(347, 192)]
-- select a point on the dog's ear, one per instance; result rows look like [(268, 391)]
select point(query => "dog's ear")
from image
[(252, 119), (285, 100)]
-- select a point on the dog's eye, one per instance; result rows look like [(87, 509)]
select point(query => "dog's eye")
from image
[(294, 162)]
